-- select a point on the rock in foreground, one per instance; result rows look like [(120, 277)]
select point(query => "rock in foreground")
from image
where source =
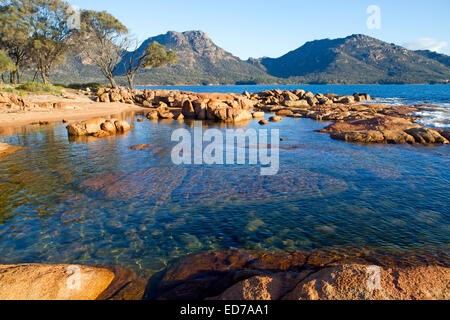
[(328, 274), (98, 127), (47, 282), (345, 282), (68, 282)]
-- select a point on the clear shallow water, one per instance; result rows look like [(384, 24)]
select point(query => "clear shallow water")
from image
[(59, 204)]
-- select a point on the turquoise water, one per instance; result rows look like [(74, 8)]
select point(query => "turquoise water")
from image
[(98, 202)]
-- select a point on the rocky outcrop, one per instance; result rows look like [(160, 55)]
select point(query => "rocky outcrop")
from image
[(68, 282), (177, 105), (346, 282), (328, 274), (355, 121), (6, 149), (52, 282), (98, 127), (384, 129), (302, 99), (10, 102)]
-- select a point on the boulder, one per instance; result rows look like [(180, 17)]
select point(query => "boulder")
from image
[(93, 125), (312, 101), (289, 96), (200, 106), (362, 136), (152, 115), (275, 119), (299, 93), (296, 104), (350, 282), (53, 282), (328, 274), (122, 126), (425, 135), (258, 115), (345, 99), (104, 97), (188, 110), (285, 113), (109, 127)]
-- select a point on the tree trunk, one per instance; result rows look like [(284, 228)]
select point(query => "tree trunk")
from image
[(12, 77), (130, 78), (35, 75), (44, 75), (113, 82)]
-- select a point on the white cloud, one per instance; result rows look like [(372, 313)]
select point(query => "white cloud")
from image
[(426, 44)]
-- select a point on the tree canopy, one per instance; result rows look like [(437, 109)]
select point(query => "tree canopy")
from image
[(157, 56), (6, 63), (35, 32), (102, 40)]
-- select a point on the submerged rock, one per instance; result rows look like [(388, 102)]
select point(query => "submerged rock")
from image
[(202, 186), (6, 149)]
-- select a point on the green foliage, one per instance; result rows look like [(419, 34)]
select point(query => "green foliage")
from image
[(35, 32), (157, 56), (79, 86), (102, 40), (6, 63), (101, 24), (39, 88)]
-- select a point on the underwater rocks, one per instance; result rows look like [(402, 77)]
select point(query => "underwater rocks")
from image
[(98, 127), (329, 274), (202, 186), (6, 149)]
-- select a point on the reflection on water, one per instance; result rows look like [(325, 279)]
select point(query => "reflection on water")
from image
[(98, 202)]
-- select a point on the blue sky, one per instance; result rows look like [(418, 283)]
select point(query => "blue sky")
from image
[(255, 28)]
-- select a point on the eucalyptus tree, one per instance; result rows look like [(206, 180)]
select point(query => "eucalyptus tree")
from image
[(153, 56), (6, 64), (102, 40), (36, 31), (15, 37)]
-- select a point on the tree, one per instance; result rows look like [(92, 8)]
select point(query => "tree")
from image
[(154, 56), (37, 29), (15, 36), (6, 64), (102, 40)]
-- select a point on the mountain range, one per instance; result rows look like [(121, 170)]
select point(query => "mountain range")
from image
[(357, 59)]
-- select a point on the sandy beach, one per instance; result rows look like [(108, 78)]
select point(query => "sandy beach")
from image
[(76, 106)]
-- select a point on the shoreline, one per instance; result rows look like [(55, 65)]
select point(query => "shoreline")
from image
[(239, 274), (295, 84), (86, 111)]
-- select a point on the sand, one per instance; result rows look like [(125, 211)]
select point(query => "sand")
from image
[(81, 107)]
